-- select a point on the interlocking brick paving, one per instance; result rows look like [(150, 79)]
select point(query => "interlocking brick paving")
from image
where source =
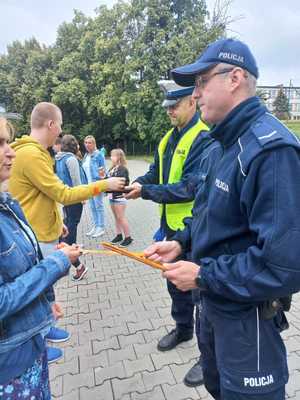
[(116, 315)]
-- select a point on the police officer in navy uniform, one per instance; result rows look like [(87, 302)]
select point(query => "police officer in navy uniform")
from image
[(182, 160), (244, 241)]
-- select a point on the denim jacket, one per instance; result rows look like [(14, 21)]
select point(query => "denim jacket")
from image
[(25, 279), (97, 161), (63, 172)]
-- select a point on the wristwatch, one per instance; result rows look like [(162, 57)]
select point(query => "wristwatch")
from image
[(199, 281)]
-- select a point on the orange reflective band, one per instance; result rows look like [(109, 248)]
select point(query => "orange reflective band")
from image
[(96, 190)]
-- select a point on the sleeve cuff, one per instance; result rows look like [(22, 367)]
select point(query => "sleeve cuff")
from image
[(61, 260), (144, 193), (204, 272), (180, 237)]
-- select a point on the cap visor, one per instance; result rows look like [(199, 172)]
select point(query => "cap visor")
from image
[(169, 103), (185, 76)]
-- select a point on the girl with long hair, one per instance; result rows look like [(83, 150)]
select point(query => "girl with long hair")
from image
[(117, 199)]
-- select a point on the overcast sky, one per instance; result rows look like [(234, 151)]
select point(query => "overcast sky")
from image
[(270, 27)]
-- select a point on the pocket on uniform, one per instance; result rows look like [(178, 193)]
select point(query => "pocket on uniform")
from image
[(236, 343), (13, 262), (251, 355)]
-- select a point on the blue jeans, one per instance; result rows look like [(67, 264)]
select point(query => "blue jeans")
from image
[(97, 210)]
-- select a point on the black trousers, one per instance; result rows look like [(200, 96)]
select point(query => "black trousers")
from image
[(182, 309), (72, 215)]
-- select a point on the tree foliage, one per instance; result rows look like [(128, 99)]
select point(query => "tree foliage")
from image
[(103, 71), (281, 105)]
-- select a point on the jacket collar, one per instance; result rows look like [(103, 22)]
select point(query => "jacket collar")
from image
[(238, 121), (4, 197)]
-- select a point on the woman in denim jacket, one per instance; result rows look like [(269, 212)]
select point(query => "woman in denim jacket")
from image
[(25, 293), (93, 162)]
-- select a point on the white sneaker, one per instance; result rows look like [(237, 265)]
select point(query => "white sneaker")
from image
[(98, 232), (91, 232)]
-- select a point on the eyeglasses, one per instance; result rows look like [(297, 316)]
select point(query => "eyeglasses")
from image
[(202, 81)]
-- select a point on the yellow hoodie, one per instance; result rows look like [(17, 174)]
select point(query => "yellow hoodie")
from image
[(38, 190)]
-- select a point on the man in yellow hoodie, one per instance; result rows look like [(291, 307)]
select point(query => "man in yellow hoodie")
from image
[(38, 190)]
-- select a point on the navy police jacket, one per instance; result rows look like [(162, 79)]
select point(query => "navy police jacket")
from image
[(247, 237)]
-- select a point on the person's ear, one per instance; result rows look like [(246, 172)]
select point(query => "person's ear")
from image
[(236, 77)]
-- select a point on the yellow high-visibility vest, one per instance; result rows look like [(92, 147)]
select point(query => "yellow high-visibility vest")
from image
[(175, 213)]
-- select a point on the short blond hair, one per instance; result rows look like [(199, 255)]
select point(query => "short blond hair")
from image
[(44, 112)]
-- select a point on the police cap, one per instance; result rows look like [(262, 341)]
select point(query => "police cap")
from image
[(173, 93)]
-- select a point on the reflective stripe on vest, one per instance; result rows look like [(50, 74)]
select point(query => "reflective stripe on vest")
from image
[(175, 213)]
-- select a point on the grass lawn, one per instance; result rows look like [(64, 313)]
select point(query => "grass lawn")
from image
[(147, 158), (293, 126)]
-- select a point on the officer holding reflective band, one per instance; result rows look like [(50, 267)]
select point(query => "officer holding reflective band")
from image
[(184, 159), (244, 242)]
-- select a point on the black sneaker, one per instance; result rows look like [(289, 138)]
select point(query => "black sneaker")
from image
[(126, 242), (117, 239)]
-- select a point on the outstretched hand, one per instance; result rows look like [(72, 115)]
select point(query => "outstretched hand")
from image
[(134, 190), (115, 184)]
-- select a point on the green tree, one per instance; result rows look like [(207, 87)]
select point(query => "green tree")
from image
[(103, 71), (281, 105), (164, 34), (21, 72)]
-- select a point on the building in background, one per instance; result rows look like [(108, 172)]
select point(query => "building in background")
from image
[(269, 94)]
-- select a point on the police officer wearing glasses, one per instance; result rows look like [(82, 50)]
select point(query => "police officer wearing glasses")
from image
[(244, 242), (184, 158)]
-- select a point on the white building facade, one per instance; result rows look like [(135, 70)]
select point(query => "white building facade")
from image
[(269, 94)]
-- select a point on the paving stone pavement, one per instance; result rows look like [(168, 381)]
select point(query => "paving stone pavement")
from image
[(116, 315)]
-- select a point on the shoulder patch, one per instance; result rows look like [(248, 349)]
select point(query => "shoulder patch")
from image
[(268, 129), (265, 133)]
